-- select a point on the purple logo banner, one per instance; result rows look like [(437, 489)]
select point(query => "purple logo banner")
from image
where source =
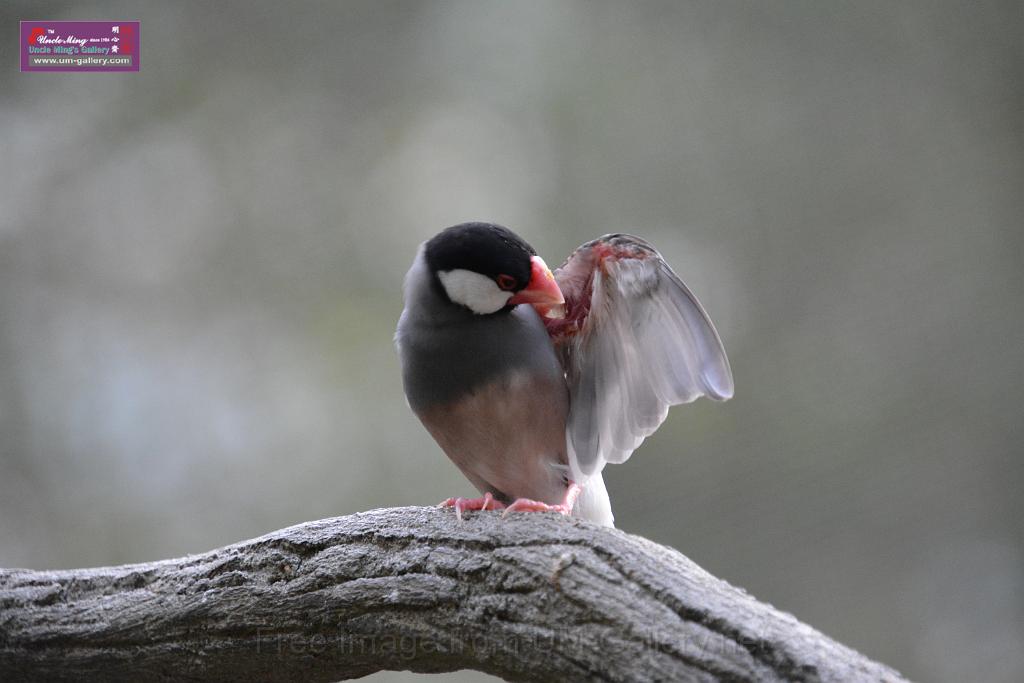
[(79, 46)]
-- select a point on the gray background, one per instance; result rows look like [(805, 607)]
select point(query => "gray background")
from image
[(200, 270)]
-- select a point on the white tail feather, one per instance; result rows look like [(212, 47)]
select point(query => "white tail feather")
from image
[(593, 503)]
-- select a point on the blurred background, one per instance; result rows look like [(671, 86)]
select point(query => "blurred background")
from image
[(200, 272)]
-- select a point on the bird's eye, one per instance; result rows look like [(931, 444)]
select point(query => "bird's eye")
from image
[(506, 282)]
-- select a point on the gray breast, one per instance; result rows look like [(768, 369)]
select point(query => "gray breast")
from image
[(443, 360)]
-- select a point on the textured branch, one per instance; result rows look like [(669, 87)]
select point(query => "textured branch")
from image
[(530, 597)]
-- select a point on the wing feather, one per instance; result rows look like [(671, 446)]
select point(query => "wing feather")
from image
[(634, 342)]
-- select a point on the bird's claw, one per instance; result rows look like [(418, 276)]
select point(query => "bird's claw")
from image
[(563, 508), (528, 505), (487, 502)]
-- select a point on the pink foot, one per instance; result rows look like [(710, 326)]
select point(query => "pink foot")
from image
[(460, 504), (564, 508)]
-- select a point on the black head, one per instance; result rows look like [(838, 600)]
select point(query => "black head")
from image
[(485, 248), (487, 269)]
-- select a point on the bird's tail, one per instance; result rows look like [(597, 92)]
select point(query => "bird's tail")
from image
[(593, 503)]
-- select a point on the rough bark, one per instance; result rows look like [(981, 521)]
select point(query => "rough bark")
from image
[(529, 597)]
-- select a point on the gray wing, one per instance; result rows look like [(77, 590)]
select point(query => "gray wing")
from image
[(635, 341)]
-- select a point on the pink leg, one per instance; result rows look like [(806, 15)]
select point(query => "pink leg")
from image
[(461, 504), (565, 507)]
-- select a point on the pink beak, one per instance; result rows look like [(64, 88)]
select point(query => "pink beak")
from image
[(542, 289)]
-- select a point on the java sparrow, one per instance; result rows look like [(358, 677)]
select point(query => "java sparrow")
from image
[(531, 381)]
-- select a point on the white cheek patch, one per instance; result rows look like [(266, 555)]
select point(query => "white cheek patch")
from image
[(476, 292)]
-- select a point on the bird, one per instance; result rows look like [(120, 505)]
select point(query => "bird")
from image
[(531, 381)]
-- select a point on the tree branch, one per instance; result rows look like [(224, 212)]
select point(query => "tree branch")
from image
[(529, 597)]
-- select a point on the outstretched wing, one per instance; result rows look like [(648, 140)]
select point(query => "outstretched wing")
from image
[(633, 341)]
